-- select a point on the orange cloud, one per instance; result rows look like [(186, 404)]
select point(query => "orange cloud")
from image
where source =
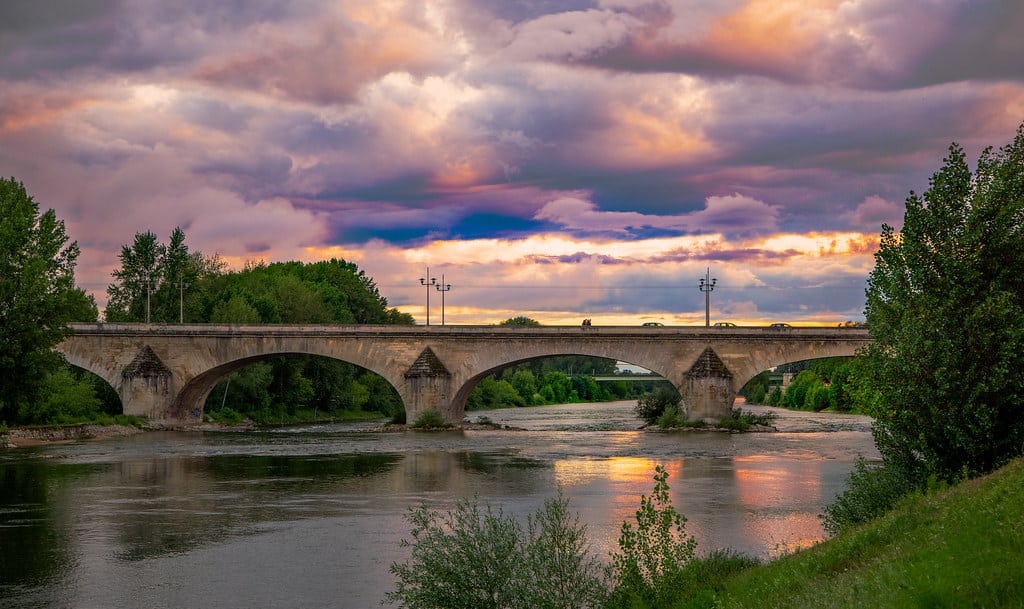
[(30, 109)]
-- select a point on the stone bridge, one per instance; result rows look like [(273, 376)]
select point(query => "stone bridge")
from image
[(166, 372)]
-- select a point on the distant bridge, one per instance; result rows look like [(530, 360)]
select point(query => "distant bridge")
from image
[(166, 372), (607, 378)]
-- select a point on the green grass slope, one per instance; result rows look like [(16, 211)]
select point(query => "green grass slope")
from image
[(958, 548)]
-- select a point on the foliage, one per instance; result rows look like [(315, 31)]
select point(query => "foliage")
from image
[(191, 286), (476, 558), (742, 420), (671, 417), (554, 380), (226, 416), (38, 297), (64, 399), (872, 490), (652, 405), (756, 389), (945, 307), (650, 563), (429, 419), (520, 321), (159, 282), (827, 383)]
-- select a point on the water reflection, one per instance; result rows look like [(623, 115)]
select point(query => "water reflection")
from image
[(314, 518)]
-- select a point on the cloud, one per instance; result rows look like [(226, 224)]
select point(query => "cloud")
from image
[(869, 45), (734, 215), (329, 62), (542, 145), (875, 211)]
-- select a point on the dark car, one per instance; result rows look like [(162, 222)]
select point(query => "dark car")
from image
[(779, 326)]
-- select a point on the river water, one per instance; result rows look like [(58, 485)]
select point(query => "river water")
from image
[(313, 516)]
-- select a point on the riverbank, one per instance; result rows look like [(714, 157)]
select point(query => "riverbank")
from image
[(961, 547), (20, 437)]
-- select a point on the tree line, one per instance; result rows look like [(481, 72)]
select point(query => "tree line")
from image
[(823, 384)]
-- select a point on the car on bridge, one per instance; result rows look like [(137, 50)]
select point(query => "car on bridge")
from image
[(653, 324), (779, 326), (853, 324), (724, 324)]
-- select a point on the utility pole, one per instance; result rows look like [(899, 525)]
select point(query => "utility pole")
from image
[(428, 281), (149, 292), (181, 298), (443, 287), (707, 285)]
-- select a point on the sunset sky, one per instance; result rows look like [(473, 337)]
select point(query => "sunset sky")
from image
[(559, 159)]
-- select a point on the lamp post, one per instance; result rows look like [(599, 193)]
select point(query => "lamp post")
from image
[(150, 284), (181, 298), (428, 281), (707, 285), (443, 287)]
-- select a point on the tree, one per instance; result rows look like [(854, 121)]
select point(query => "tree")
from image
[(130, 296), (520, 321), (945, 307), (649, 566), (38, 297), (160, 279)]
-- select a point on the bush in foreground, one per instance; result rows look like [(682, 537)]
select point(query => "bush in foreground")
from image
[(476, 558)]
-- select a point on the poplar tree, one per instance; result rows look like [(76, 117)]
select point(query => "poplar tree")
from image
[(38, 297), (945, 307)]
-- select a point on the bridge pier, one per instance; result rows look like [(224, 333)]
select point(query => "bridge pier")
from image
[(707, 391), (428, 386)]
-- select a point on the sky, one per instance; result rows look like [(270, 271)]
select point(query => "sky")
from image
[(559, 159)]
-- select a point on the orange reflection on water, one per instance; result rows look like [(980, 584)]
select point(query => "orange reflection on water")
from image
[(619, 471), (769, 489), (621, 479), (762, 482)]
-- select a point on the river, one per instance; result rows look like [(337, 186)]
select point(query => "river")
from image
[(313, 516)]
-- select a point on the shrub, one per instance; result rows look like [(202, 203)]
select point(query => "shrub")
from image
[(226, 416), (670, 418), (430, 419), (648, 568), (475, 558), (652, 405), (871, 492)]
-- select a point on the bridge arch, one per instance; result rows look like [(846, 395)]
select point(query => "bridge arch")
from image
[(193, 396), (461, 395)]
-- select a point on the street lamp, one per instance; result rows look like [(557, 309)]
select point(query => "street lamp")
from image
[(150, 284), (428, 282), (707, 285), (443, 287), (181, 298)]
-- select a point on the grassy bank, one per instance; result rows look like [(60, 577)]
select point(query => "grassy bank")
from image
[(962, 547)]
